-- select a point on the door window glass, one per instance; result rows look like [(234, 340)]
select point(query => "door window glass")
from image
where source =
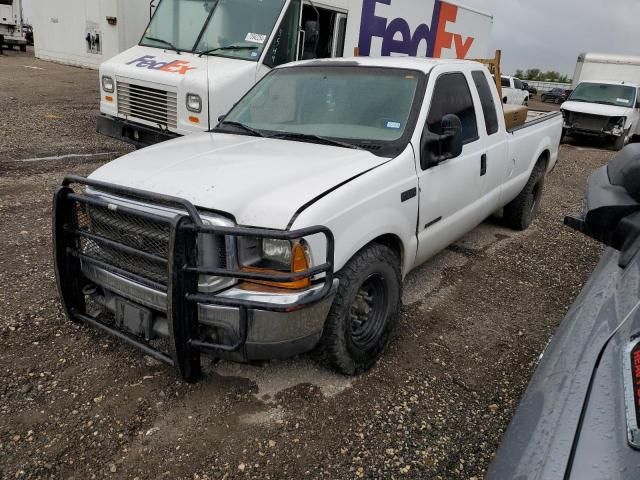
[(451, 95), (285, 40), (486, 100)]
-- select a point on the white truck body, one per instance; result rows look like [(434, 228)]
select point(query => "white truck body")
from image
[(147, 87), (513, 91), (407, 197), (11, 23), (606, 68), (592, 111)]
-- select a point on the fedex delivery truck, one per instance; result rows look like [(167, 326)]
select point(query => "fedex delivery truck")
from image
[(198, 57)]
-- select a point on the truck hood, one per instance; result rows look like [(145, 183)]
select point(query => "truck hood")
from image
[(261, 182), (596, 109)]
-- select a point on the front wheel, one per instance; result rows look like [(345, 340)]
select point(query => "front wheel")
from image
[(521, 212), (365, 311), (621, 141)]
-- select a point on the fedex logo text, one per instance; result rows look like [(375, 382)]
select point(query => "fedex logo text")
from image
[(397, 37), (147, 61)]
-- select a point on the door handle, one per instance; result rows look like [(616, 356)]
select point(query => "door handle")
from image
[(483, 165)]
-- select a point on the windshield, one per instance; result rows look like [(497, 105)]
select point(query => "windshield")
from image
[(354, 105), (606, 94), (204, 25)]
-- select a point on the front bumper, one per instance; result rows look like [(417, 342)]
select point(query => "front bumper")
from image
[(168, 317), (270, 334), (130, 132)]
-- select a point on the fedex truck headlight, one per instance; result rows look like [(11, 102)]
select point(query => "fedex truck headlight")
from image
[(108, 85), (194, 103)]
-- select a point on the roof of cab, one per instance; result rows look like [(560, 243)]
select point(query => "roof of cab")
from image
[(411, 63)]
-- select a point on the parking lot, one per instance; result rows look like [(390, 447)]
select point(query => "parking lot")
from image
[(76, 404)]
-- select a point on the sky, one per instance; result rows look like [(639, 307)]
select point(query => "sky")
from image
[(549, 34)]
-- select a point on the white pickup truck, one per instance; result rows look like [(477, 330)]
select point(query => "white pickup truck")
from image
[(514, 91), (292, 224)]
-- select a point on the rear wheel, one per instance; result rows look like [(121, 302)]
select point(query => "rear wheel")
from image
[(23, 48), (364, 313), (522, 211)]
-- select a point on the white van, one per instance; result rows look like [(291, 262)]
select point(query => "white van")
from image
[(603, 109), (198, 57)]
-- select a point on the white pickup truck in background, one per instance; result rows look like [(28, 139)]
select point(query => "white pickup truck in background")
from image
[(514, 91), (293, 223)]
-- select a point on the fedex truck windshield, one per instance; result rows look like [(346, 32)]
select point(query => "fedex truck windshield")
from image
[(230, 28)]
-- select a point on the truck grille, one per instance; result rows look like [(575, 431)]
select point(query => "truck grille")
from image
[(145, 235), (148, 104), (143, 245), (585, 121)]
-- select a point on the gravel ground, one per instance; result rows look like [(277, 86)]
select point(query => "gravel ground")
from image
[(76, 404)]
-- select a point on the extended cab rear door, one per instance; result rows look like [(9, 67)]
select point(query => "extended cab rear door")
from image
[(495, 162)]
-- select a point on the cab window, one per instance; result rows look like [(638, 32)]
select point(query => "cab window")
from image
[(486, 100), (452, 95)]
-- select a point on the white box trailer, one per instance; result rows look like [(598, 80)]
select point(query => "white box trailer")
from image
[(602, 67), (87, 32), (198, 57), (11, 24)]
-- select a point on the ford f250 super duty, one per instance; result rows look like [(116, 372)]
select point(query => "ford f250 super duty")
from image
[(292, 224)]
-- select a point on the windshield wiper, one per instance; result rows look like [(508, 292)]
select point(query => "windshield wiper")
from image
[(316, 138), (242, 126), (169, 44), (229, 47)]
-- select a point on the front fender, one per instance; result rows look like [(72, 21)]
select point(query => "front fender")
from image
[(366, 208)]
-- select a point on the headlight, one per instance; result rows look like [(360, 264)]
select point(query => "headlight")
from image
[(194, 103), (108, 85), (275, 256)]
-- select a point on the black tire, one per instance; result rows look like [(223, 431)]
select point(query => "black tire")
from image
[(621, 141), (23, 48), (365, 310), (522, 211)]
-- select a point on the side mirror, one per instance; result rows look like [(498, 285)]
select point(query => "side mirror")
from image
[(437, 148), (638, 104)]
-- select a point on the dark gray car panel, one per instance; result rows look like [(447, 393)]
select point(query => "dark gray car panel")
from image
[(578, 417)]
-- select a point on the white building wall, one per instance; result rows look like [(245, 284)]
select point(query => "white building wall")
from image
[(61, 27)]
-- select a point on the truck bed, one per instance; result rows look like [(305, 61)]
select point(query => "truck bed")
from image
[(514, 114)]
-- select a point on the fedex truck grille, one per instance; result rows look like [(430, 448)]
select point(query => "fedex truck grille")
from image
[(137, 102)]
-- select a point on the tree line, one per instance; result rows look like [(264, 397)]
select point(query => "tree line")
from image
[(538, 75)]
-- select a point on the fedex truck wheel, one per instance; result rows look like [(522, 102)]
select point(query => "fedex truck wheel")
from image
[(365, 311)]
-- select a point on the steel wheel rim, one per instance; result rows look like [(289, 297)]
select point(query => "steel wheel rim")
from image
[(367, 315)]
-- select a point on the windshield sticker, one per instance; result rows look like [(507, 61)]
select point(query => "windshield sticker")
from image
[(177, 66), (622, 100), (254, 54), (394, 125), (255, 38)]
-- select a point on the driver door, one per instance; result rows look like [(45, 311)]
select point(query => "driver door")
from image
[(451, 192)]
